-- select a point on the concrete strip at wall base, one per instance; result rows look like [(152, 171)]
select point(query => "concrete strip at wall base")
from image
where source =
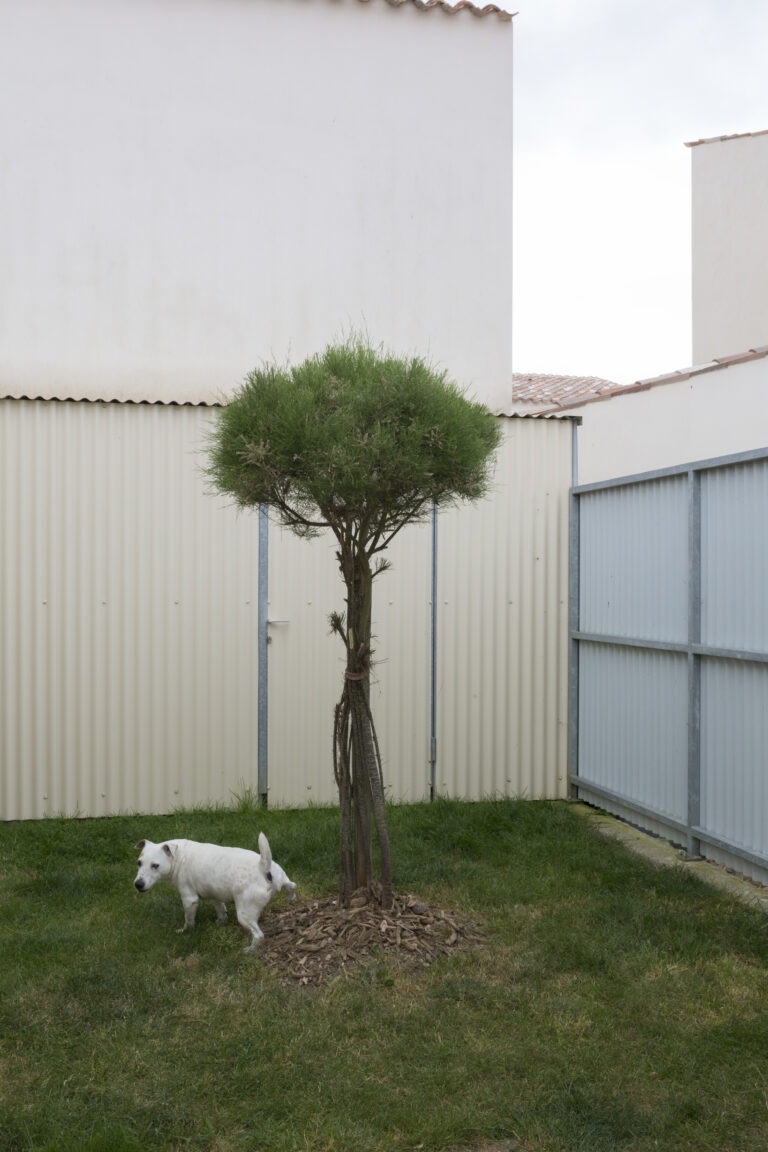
[(666, 855)]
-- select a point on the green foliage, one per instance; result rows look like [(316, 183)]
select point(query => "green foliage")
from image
[(354, 436)]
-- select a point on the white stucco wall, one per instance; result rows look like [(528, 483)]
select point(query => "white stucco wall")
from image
[(187, 188), (730, 245), (709, 414)]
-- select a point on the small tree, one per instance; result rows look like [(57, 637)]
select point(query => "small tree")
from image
[(360, 442)]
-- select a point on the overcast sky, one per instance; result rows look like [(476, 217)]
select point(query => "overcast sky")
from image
[(607, 93)]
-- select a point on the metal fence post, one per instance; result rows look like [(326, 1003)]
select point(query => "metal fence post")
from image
[(694, 663), (263, 641), (574, 585), (433, 663), (574, 582)]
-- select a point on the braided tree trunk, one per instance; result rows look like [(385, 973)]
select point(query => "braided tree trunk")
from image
[(356, 756)]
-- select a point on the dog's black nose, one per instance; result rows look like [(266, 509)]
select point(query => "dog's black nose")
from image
[(139, 884)]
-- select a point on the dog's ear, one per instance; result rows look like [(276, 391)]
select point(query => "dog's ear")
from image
[(169, 850), (266, 853), (140, 845)]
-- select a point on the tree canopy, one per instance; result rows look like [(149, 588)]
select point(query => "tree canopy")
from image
[(353, 436)]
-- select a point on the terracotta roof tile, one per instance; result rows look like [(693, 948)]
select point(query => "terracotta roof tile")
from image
[(532, 389)]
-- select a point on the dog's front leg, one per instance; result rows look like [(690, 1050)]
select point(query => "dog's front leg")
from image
[(190, 901)]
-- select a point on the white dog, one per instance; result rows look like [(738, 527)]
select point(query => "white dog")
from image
[(209, 872)]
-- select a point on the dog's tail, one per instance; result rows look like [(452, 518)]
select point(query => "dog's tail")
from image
[(266, 856)]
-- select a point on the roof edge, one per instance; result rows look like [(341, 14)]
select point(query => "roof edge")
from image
[(668, 378), (452, 9), (33, 396), (722, 139), (509, 414)]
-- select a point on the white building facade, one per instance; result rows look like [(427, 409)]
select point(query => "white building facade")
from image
[(730, 245), (718, 409), (191, 188)]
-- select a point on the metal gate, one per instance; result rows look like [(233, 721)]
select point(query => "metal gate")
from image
[(668, 677)]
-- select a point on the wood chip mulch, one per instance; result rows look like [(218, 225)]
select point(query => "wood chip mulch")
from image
[(317, 943)]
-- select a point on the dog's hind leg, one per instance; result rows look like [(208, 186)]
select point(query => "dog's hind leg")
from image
[(248, 919), (221, 911)]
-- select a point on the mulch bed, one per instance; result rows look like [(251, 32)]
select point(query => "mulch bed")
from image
[(317, 943)]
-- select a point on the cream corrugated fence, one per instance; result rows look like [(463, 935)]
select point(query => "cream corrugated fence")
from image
[(129, 610)]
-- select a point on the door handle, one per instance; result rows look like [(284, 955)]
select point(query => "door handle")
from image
[(269, 638)]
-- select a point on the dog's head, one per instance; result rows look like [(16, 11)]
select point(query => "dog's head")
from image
[(276, 877), (278, 881), (155, 863)]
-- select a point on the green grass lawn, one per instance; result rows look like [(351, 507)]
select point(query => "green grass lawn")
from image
[(615, 1005)]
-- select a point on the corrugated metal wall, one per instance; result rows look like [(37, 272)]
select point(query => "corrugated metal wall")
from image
[(502, 634), (670, 654), (633, 725), (502, 624), (128, 649), (634, 561), (129, 601), (306, 666)]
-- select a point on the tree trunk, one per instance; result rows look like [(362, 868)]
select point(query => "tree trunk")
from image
[(356, 753)]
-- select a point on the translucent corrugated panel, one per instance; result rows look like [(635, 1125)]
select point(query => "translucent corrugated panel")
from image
[(734, 556), (634, 560), (635, 704), (633, 713), (734, 739)]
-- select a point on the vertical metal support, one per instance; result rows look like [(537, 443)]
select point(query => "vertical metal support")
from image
[(575, 425), (693, 847), (263, 642), (574, 587), (574, 584), (433, 664)]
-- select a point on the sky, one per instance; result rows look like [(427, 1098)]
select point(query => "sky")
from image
[(607, 93)]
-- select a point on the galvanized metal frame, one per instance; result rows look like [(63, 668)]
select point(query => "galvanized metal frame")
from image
[(691, 831), (433, 624), (694, 661), (263, 645), (574, 590)]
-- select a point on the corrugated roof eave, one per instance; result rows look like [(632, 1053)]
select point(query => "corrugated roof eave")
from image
[(453, 9), (66, 397)]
